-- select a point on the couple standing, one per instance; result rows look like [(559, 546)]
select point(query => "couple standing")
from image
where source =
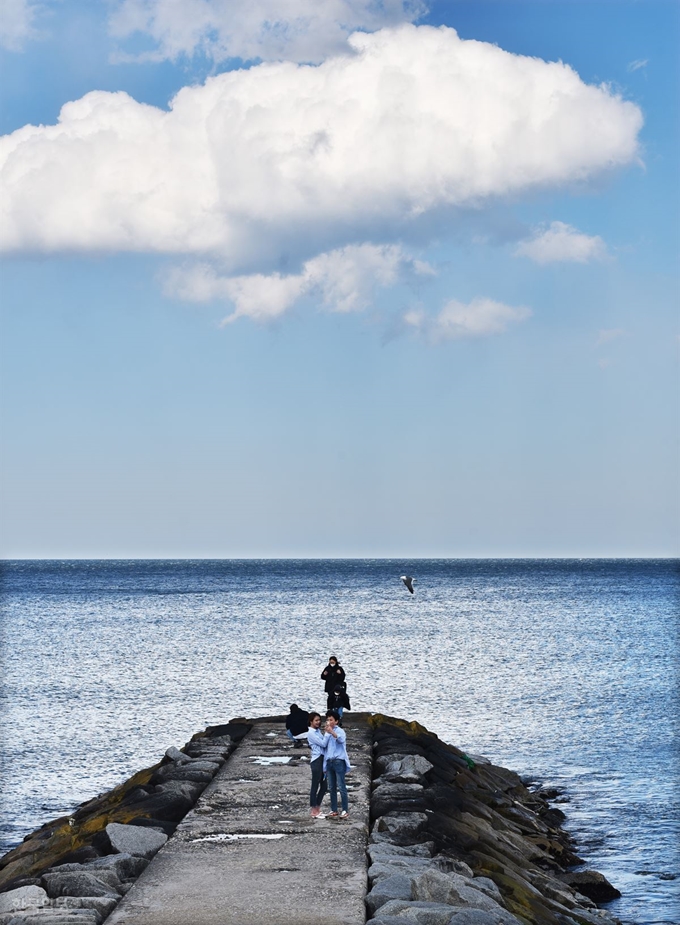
[(329, 764)]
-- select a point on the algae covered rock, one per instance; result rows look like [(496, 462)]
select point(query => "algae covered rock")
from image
[(592, 884)]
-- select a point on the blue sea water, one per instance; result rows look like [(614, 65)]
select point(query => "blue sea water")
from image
[(564, 670)]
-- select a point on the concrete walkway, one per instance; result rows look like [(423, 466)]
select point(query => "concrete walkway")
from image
[(249, 853)]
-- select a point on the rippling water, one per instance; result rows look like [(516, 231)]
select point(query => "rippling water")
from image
[(562, 670)]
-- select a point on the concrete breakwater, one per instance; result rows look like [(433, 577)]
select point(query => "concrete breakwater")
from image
[(219, 832)]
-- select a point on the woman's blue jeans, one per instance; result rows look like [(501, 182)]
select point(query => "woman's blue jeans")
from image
[(318, 791), (335, 773)]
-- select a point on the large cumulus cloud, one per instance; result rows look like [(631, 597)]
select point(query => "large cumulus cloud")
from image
[(297, 30), (352, 150)]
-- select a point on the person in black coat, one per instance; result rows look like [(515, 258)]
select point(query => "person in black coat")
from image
[(338, 700), (332, 674), (297, 724)]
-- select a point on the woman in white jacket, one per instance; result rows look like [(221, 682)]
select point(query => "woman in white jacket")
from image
[(317, 742)]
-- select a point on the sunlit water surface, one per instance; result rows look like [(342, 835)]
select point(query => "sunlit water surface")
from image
[(563, 670)]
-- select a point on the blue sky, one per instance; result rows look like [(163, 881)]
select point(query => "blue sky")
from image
[(408, 293)]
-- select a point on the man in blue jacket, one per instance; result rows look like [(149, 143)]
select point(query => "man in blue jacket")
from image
[(336, 763)]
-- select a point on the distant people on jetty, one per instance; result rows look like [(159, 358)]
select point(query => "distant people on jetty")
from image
[(336, 764), (316, 740), (297, 724), (338, 700), (332, 674), (328, 761)]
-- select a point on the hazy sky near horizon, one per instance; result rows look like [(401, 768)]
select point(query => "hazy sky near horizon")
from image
[(339, 278)]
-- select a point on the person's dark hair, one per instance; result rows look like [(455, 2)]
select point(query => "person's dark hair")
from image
[(333, 658), (334, 714), (312, 716), (293, 706), (338, 689)]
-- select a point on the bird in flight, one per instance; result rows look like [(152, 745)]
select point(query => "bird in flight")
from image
[(408, 581)]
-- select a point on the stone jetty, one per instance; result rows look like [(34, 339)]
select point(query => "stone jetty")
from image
[(219, 833)]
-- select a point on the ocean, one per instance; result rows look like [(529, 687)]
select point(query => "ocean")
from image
[(563, 670)]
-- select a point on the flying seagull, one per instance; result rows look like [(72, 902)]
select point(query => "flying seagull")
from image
[(408, 581)]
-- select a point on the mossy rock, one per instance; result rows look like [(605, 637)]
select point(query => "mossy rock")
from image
[(56, 842)]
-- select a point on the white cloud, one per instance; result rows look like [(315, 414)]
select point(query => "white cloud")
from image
[(561, 242), (297, 30), (457, 320), (636, 65), (606, 335), (343, 280), (282, 158), (16, 23)]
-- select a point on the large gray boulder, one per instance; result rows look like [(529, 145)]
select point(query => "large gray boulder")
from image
[(400, 826), (184, 772), (436, 886), (77, 883), (422, 913), (389, 866), (189, 789), (106, 875), (397, 886), (592, 884), (126, 866), (383, 849), (395, 796), (104, 905), (24, 897), (409, 769), (174, 754), (135, 840), (224, 742), (203, 764), (486, 886), (480, 917), (212, 752), (165, 805)]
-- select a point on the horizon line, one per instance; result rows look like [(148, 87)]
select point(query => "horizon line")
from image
[(582, 558)]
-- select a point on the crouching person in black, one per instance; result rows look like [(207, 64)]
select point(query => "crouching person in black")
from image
[(297, 723), (339, 701)]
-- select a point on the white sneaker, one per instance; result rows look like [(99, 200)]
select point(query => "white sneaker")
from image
[(344, 814)]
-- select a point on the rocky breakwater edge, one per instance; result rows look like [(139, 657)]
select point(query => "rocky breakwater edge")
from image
[(75, 869), (456, 840), (451, 839)]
